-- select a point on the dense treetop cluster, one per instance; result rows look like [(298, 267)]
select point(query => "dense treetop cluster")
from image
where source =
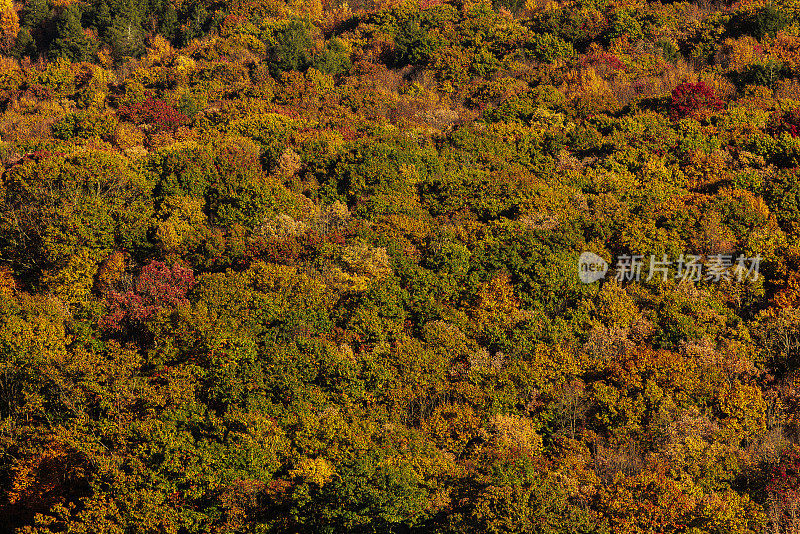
[(312, 266)]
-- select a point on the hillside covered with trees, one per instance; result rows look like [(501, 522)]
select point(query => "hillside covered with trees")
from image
[(311, 267)]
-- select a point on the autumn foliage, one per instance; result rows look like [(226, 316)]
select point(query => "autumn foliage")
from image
[(158, 287), (153, 113), (691, 99), (313, 267)]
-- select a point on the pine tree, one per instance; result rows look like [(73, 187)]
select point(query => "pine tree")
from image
[(102, 17), (36, 12), (126, 37), (25, 46), (169, 22), (70, 41), (33, 37)]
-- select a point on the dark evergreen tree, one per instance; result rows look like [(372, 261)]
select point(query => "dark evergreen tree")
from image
[(413, 44), (126, 37), (101, 17), (70, 41), (25, 45), (169, 21), (195, 28), (34, 14)]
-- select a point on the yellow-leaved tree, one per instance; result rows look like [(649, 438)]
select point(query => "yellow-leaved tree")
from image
[(9, 24)]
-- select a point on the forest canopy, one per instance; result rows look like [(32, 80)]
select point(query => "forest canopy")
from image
[(300, 267)]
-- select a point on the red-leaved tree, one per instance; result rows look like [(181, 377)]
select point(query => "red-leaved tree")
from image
[(784, 491), (786, 122), (158, 287), (155, 113), (691, 99)]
